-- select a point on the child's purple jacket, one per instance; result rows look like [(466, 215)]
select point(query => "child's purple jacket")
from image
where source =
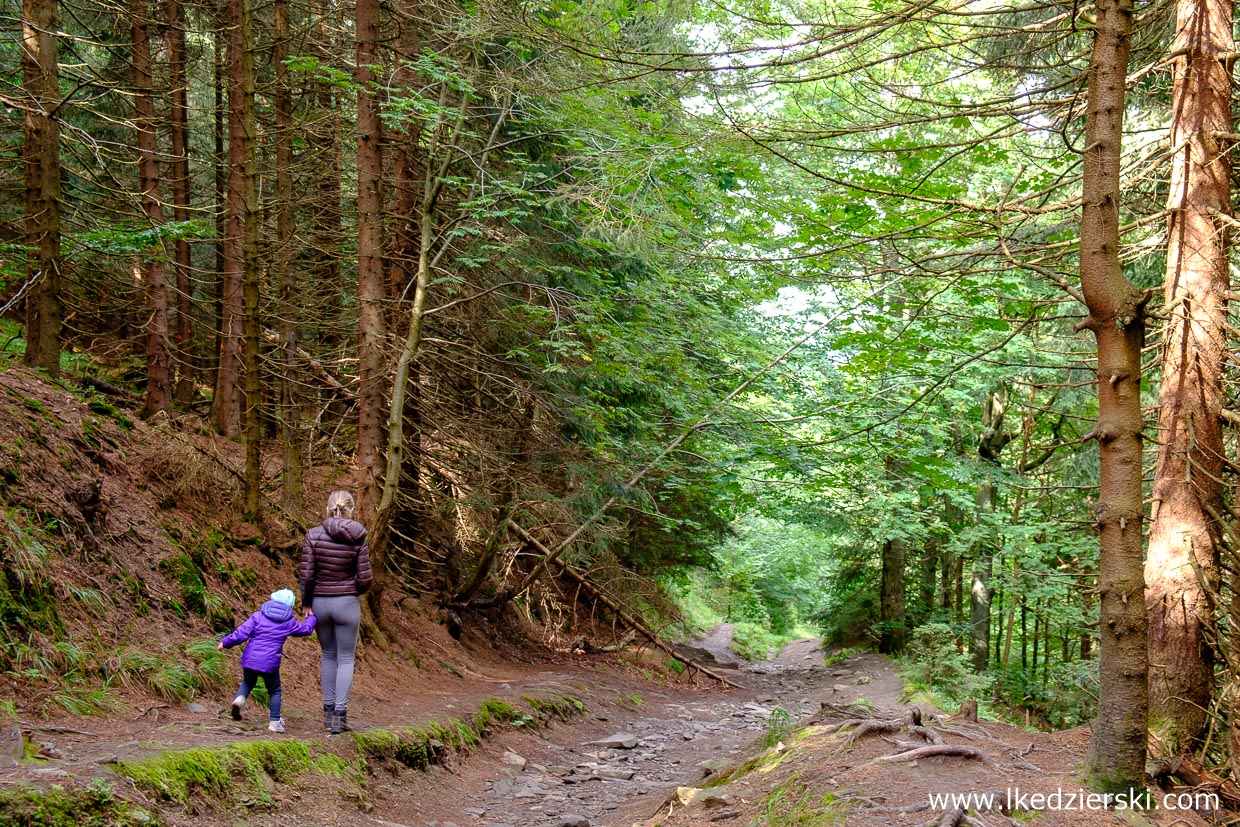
[(266, 631)]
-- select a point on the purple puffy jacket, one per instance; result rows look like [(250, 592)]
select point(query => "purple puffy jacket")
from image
[(266, 630)]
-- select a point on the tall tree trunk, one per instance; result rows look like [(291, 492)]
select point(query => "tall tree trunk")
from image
[(290, 309), (1182, 566), (219, 209), (371, 292), (1117, 320), (41, 164), (178, 124), (990, 446), (891, 601), (894, 627), (251, 327), (158, 360), (226, 405)]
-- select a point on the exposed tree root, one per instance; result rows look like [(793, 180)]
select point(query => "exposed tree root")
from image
[(929, 735), (955, 750), (867, 728)]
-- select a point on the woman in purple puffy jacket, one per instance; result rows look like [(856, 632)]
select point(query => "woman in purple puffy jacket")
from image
[(335, 570), (266, 630)]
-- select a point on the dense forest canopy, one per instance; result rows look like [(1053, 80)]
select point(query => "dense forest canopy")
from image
[(776, 313)]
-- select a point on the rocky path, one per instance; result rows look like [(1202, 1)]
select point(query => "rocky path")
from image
[(623, 763)]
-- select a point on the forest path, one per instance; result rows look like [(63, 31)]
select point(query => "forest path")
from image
[(666, 737), (619, 764)]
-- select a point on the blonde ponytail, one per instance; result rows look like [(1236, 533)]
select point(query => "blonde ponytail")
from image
[(340, 504)]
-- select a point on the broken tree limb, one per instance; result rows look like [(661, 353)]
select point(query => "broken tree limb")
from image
[(934, 750), (629, 620), (1194, 775), (271, 337)]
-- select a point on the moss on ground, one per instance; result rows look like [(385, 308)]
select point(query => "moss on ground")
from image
[(246, 774), (92, 805)]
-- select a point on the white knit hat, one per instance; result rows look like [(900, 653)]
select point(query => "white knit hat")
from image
[(284, 596)]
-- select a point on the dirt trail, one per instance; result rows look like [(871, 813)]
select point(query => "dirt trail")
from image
[(573, 776), (622, 762)]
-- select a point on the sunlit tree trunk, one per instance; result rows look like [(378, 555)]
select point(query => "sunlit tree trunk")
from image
[(1117, 320), (1182, 565), (158, 360), (41, 163)]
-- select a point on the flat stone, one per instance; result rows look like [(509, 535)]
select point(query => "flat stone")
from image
[(573, 820), (621, 740)]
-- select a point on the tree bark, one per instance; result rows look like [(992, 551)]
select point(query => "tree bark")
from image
[(1182, 565), (1117, 320), (891, 602), (226, 404), (989, 447), (286, 230), (158, 359), (178, 124), (41, 164), (371, 292)]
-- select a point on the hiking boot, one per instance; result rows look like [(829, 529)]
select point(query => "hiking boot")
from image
[(276, 725), (329, 712), (340, 723), (237, 703)]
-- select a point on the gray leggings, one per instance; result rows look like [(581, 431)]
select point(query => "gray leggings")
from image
[(338, 619)]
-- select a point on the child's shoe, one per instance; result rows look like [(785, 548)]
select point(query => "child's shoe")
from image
[(237, 703), (276, 725)]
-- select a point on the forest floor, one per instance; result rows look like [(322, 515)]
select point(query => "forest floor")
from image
[(644, 751)]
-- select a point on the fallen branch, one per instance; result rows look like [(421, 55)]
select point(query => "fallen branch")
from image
[(1194, 775), (327, 377), (627, 618), (952, 750), (61, 729)]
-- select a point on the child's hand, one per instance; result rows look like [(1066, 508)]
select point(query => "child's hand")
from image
[(220, 646)]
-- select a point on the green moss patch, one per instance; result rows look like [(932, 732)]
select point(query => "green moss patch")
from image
[(237, 774), (93, 805), (246, 774)]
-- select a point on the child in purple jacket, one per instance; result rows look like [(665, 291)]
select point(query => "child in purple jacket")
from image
[(266, 630)]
